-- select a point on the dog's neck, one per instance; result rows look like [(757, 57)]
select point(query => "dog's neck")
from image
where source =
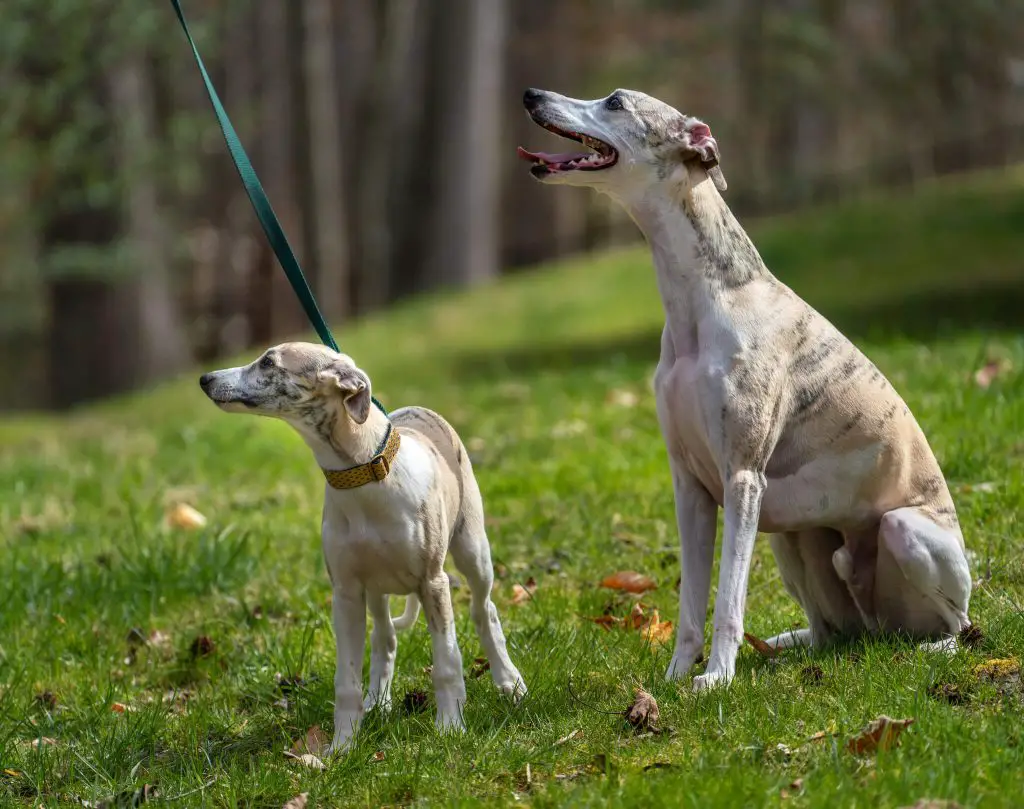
[(338, 442), (700, 251)]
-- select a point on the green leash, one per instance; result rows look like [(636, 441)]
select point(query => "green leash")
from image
[(264, 211)]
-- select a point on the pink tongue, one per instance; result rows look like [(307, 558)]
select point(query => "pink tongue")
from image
[(563, 157)]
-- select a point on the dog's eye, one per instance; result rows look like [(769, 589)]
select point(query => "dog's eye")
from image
[(613, 103), (267, 362)]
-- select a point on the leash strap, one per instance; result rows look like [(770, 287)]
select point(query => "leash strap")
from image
[(260, 203)]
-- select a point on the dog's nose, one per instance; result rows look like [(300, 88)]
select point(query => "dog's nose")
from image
[(205, 380), (532, 97)]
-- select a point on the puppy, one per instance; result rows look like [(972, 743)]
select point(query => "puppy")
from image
[(400, 493)]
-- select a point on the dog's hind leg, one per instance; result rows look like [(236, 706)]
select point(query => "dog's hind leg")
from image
[(472, 554), (932, 560), (383, 645), (449, 684)]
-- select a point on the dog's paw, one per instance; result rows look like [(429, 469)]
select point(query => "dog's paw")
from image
[(339, 746), (382, 704), (709, 680), (449, 723), (514, 688), (682, 661)]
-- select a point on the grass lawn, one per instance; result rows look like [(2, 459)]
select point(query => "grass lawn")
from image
[(217, 642)]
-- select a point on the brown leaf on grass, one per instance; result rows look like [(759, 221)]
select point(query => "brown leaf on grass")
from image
[(760, 646), (630, 581), (380, 755), (950, 693), (880, 734), (298, 802), (812, 675), (568, 737), (655, 630), (47, 699), (182, 515), (991, 371), (636, 618), (606, 621), (119, 707), (202, 646), (479, 667), (795, 788), (307, 759), (971, 636), (414, 701), (522, 593), (643, 714), (622, 397), (314, 742)]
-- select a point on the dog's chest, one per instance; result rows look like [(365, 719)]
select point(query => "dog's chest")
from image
[(376, 542), (680, 387)]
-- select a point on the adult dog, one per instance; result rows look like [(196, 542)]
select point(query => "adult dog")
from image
[(400, 494), (768, 412)]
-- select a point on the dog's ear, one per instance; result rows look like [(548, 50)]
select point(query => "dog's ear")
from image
[(697, 141), (352, 385)]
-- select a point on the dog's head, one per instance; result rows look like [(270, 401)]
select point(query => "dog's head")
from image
[(304, 384), (637, 142)]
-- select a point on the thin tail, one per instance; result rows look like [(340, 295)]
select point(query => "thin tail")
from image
[(412, 611)]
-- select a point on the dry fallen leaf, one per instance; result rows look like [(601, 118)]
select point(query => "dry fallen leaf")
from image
[(760, 646), (655, 630), (643, 713), (521, 593), (880, 734), (315, 742), (298, 802), (622, 398), (991, 371), (202, 646), (606, 621), (307, 759), (568, 737), (182, 515), (630, 581), (794, 788), (119, 707), (380, 755)]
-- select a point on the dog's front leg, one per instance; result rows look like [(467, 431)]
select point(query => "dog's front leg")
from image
[(449, 684), (696, 513), (348, 609), (743, 493)]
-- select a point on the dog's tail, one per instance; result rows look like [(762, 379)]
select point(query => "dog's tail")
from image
[(412, 611)]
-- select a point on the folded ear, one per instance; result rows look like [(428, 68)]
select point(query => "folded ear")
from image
[(352, 385), (697, 141)]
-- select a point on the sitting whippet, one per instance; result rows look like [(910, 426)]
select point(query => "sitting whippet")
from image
[(400, 493), (767, 411)]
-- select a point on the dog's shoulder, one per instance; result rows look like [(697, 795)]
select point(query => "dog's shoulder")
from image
[(434, 430)]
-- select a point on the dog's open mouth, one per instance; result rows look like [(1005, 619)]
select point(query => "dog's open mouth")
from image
[(603, 155)]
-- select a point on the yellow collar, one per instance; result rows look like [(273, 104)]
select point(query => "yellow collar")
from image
[(376, 469)]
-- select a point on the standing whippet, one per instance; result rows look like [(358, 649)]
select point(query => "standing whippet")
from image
[(767, 410)]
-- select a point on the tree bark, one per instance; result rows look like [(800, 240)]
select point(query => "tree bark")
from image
[(327, 187), (470, 38)]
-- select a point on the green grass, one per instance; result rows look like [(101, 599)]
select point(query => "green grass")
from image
[(576, 486)]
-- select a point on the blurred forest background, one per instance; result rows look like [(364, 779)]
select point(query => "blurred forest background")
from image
[(384, 132)]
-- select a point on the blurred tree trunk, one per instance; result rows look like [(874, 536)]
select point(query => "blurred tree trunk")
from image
[(384, 137), (276, 311), (469, 36), (162, 344), (326, 186)]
